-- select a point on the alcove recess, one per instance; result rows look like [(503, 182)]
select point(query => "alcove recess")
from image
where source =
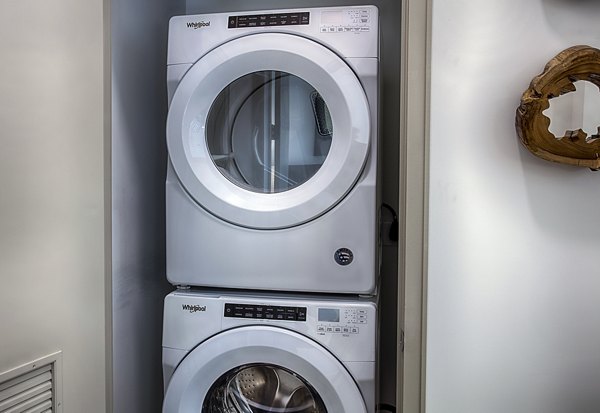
[(575, 147)]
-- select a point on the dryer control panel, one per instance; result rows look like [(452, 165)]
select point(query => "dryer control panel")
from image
[(268, 20), (346, 20)]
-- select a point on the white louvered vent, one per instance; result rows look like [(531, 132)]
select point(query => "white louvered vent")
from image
[(32, 387)]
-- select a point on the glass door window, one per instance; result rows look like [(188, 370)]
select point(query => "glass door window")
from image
[(262, 388), (269, 131)]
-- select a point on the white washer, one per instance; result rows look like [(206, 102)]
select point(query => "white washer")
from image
[(258, 353), (272, 140)]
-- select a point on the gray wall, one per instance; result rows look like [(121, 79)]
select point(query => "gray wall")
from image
[(52, 181), (513, 321), (139, 105)]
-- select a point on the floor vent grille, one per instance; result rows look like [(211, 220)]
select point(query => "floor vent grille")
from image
[(32, 387)]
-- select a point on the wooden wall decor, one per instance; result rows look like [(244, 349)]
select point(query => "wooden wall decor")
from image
[(575, 147)]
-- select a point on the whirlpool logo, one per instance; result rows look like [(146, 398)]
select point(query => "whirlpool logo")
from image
[(193, 308), (198, 25)]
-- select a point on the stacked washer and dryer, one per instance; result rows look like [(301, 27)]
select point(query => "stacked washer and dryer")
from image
[(272, 212)]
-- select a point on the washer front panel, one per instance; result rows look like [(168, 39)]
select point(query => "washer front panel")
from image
[(298, 56), (261, 345)]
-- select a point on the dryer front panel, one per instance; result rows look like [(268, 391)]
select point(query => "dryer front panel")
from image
[(258, 369), (269, 130)]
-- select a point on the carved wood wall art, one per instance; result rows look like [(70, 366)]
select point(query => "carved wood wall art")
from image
[(575, 147)]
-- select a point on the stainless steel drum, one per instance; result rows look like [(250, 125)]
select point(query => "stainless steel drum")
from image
[(262, 389)]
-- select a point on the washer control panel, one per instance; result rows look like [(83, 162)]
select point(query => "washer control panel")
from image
[(265, 312), (341, 320)]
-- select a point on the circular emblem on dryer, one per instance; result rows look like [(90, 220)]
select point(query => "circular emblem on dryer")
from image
[(343, 256)]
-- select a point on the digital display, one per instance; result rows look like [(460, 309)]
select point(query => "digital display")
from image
[(329, 314)]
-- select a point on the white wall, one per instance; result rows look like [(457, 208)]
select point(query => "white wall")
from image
[(52, 276), (514, 278)]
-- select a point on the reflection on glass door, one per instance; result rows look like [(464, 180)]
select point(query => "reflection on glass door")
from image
[(261, 389), (269, 131)]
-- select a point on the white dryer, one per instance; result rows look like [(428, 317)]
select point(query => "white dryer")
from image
[(260, 353), (272, 141)]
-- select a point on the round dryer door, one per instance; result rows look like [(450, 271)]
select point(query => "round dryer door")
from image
[(269, 131), (261, 369)]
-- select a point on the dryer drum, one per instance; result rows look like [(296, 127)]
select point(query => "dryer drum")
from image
[(262, 389)]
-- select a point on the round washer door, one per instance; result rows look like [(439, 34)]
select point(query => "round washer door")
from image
[(259, 369), (269, 130)]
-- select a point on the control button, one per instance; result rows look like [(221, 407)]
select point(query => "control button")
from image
[(362, 321), (323, 29), (238, 310), (259, 315), (269, 316), (290, 317), (337, 329), (279, 316), (362, 316), (301, 314), (329, 329), (343, 256), (346, 329), (354, 330), (364, 29), (321, 329), (361, 311), (290, 310)]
